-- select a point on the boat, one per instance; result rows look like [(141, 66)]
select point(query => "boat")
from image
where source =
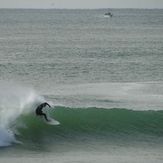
[(108, 14)]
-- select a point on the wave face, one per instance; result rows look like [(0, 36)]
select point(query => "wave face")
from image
[(78, 124)]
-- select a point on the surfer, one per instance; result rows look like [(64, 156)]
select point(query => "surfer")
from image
[(39, 110)]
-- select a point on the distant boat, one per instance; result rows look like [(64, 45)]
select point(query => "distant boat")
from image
[(108, 14)]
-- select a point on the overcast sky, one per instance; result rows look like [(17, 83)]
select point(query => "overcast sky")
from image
[(81, 3)]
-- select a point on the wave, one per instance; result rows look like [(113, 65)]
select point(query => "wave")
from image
[(79, 124), (18, 122), (103, 120), (84, 124)]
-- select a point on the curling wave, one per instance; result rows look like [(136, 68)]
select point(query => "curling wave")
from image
[(18, 122), (78, 124)]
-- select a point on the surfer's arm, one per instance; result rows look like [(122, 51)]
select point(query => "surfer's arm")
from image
[(48, 105)]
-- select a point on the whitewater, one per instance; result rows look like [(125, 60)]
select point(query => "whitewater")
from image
[(14, 102), (102, 76)]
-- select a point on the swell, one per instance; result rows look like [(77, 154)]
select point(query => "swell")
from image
[(91, 124)]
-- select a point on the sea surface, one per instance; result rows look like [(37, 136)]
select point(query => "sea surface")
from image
[(103, 77)]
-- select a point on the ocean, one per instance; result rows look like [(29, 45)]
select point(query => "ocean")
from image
[(103, 77)]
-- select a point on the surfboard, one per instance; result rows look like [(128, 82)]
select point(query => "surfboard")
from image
[(52, 121)]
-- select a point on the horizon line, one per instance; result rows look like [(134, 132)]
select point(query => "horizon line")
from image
[(78, 8)]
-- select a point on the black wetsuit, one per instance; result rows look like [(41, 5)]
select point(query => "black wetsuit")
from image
[(39, 110)]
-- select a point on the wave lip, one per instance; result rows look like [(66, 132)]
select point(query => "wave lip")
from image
[(135, 95)]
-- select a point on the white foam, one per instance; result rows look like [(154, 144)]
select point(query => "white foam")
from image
[(6, 137), (14, 101)]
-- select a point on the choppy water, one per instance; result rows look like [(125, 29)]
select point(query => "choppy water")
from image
[(102, 76)]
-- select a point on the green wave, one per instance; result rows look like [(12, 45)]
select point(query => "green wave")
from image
[(78, 124)]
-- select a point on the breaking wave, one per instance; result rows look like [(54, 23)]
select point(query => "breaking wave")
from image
[(18, 122)]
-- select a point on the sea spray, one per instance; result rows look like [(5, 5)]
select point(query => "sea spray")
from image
[(15, 100)]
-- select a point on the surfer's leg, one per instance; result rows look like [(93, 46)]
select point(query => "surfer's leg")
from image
[(45, 116)]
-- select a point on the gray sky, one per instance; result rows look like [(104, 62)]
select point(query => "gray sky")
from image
[(81, 3)]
